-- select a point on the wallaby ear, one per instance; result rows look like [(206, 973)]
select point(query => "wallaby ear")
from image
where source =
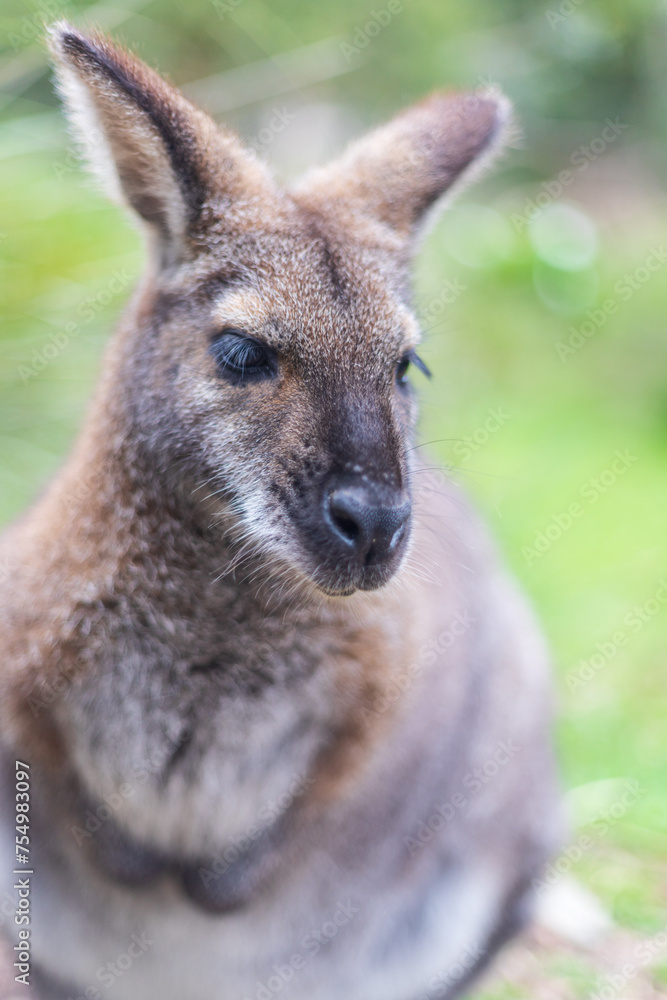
[(396, 173), (147, 143)]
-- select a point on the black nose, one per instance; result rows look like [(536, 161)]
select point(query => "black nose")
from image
[(369, 524)]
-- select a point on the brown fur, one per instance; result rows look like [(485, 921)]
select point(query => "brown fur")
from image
[(176, 577)]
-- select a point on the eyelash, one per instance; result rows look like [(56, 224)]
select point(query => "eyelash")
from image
[(241, 357), (410, 358)]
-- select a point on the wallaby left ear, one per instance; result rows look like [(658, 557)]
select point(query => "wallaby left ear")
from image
[(146, 142), (396, 173)]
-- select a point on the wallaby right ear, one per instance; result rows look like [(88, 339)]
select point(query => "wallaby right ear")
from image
[(396, 173), (150, 146)]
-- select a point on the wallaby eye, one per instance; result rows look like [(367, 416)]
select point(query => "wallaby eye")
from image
[(402, 371), (241, 356), (410, 358)]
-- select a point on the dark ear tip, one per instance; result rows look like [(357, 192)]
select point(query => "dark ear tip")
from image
[(61, 36), (67, 44)]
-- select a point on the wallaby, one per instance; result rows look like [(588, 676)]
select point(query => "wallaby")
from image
[(285, 720)]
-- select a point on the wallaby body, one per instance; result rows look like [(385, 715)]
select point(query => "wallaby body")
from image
[(287, 719)]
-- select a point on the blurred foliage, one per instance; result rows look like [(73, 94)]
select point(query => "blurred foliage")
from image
[(522, 269)]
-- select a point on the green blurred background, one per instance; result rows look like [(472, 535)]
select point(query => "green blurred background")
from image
[(543, 297)]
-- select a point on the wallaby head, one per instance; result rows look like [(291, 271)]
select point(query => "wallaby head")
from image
[(264, 369)]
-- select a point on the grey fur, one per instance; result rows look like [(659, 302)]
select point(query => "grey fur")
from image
[(235, 772)]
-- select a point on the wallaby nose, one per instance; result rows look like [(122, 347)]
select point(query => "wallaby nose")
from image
[(366, 523)]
